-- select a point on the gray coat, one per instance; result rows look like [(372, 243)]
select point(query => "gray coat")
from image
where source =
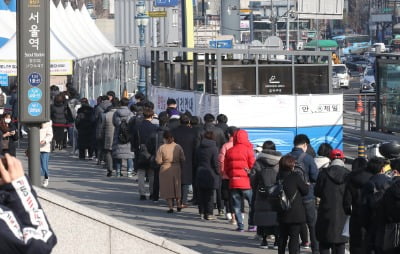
[(109, 129), (121, 151)]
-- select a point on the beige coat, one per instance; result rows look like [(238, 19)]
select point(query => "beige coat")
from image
[(46, 135), (170, 157)]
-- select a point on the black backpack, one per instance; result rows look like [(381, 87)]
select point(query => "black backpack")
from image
[(124, 135), (300, 168), (277, 197)]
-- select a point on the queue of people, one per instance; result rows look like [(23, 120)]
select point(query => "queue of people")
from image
[(174, 152)]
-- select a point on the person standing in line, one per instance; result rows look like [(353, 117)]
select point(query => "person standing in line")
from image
[(322, 159), (121, 149), (391, 207), (186, 138), (104, 105), (84, 124), (155, 141), (238, 162), (331, 217), (222, 123), (225, 191), (352, 203), (141, 136), (59, 113), (290, 221), (207, 178), (46, 136), (301, 152), (170, 157), (265, 171), (108, 136), (9, 134)]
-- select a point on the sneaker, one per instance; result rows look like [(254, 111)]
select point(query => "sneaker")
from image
[(109, 174), (228, 216), (264, 244), (170, 211), (130, 174), (305, 245), (239, 230), (142, 197), (45, 183), (220, 213), (233, 222), (252, 229), (275, 246), (210, 217)]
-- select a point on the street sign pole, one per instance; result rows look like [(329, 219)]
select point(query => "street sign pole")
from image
[(33, 31)]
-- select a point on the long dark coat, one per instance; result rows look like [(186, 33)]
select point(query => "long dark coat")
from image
[(85, 125), (265, 171), (186, 138), (331, 217), (293, 182), (207, 163)]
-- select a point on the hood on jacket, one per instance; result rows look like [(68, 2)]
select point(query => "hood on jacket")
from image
[(337, 172), (123, 111), (269, 158), (360, 178), (241, 137), (104, 105), (208, 143)]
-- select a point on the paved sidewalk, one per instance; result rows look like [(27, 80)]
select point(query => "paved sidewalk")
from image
[(86, 183)]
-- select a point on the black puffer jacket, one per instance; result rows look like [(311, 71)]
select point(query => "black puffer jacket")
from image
[(331, 216), (391, 202), (265, 171)]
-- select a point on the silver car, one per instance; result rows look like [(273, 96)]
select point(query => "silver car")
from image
[(367, 82)]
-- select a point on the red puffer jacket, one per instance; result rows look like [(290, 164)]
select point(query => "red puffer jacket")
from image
[(239, 157)]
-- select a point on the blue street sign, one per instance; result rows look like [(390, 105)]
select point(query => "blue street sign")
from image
[(165, 3), (34, 94), (34, 79), (3, 79), (35, 109), (221, 44)]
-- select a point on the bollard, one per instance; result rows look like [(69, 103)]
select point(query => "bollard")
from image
[(361, 150)]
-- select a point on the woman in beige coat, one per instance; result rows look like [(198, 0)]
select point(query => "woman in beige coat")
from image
[(170, 156)]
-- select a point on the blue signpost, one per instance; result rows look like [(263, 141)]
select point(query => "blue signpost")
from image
[(166, 3)]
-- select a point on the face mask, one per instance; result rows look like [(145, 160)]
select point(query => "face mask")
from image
[(7, 120)]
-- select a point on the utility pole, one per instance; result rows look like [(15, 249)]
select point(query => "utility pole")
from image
[(287, 25)]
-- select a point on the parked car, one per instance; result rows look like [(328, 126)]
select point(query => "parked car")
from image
[(342, 75), (357, 66), (367, 82)]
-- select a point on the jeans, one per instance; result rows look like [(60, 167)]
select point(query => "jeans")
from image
[(44, 164), (311, 219), (118, 165), (237, 195), (141, 180), (185, 192)]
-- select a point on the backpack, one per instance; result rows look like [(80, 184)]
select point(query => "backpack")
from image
[(277, 197), (124, 135), (300, 168)]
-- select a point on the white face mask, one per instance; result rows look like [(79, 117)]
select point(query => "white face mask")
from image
[(7, 120)]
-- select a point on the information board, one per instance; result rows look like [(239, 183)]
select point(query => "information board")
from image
[(33, 61), (165, 3)]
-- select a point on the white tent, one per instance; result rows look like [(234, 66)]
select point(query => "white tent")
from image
[(60, 58)]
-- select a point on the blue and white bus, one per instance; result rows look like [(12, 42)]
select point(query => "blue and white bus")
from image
[(274, 95), (353, 43)]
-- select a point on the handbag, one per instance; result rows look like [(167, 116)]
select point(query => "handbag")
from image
[(4, 143), (278, 199), (391, 238)]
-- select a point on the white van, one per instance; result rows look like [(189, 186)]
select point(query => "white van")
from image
[(342, 74)]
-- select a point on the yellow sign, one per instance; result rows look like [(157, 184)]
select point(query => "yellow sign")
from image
[(157, 14)]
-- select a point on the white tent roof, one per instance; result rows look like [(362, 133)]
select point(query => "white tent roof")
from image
[(57, 50), (73, 33)]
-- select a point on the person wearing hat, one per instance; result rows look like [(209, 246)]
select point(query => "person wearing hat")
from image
[(331, 217)]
